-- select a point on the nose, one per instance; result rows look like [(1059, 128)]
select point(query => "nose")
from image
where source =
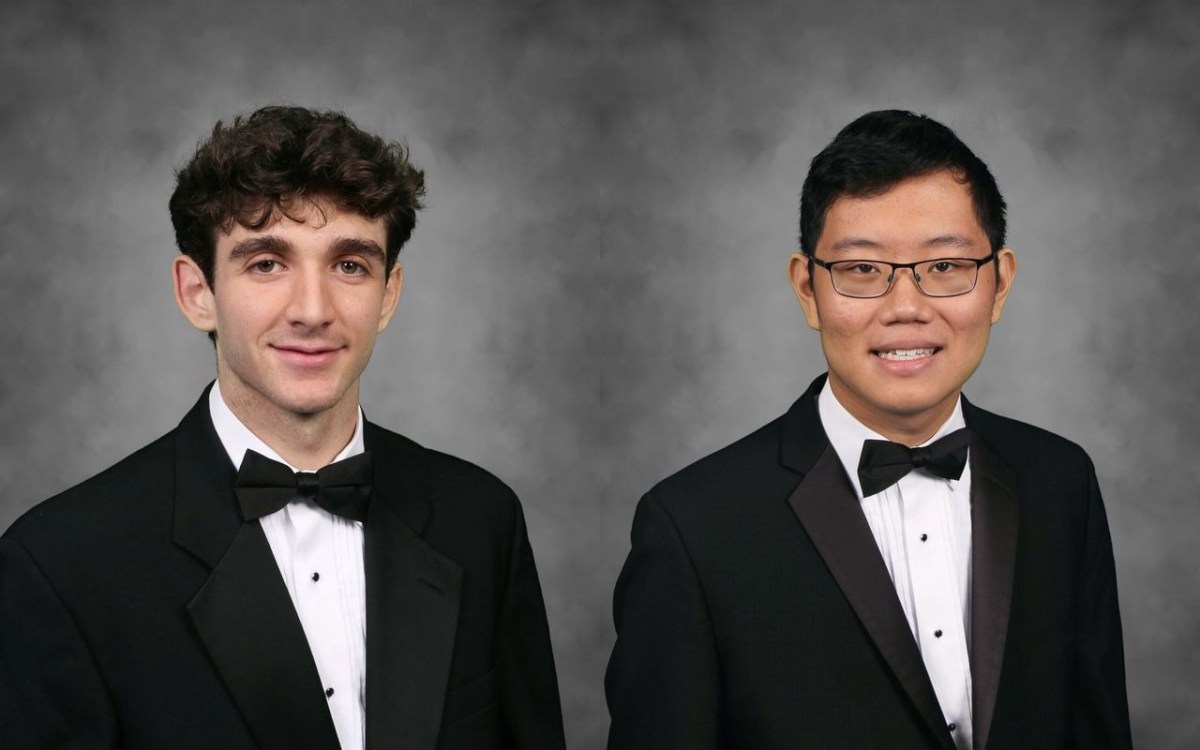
[(905, 302), (310, 305)]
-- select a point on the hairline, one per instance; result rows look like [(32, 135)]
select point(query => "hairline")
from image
[(957, 173)]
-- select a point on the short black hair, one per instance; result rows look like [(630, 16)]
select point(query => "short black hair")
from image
[(880, 149)]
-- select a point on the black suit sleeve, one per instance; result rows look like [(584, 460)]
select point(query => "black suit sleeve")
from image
[(1099, 712), (524, 660), (51, 693), (663, 682)]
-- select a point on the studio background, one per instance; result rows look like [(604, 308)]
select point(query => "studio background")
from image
[(596, 294)]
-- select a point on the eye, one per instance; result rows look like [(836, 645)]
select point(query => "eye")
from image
[(352, 268), (266, 265), (862, 269), (946, 266)]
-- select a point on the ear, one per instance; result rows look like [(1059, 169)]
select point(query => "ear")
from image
[(802, 284), (1006, 263), (391, 295), (193, 295)]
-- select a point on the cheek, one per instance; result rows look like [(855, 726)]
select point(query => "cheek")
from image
[(841, 326), (240, 324), (972, 324), (233, 320), (363, 316)]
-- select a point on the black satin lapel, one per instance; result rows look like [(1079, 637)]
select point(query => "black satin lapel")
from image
[(803, 439), (826, 505), (994, 517), (412, 614), (247, 621), (206, 511)]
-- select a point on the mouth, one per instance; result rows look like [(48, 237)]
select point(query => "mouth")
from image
[(906, 355), (306, 349), (307, 354)]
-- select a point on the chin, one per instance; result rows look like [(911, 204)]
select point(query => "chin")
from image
[(309, 403), (917, 403)]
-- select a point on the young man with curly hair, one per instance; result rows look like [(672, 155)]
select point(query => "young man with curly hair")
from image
[(277, 572)]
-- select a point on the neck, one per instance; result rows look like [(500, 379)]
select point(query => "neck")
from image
[(908, 429), (307, 441)]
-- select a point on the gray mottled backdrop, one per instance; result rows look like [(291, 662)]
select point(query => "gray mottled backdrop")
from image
[(596, 295)]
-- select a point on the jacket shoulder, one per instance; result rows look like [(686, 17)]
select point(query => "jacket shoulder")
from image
[(447, 479), (1026, 446), (732, 476), (123, 489)]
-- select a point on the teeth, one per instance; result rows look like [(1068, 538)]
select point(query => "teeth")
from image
[(900, 355)]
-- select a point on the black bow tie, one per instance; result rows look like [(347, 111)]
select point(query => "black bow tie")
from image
[(884, 463), (264, 486)]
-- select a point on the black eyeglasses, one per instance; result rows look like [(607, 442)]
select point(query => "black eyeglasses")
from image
[(940, 277)]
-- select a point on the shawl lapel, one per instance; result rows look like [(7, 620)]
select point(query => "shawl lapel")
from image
[(828, 509), (243, 613), (994, 522)]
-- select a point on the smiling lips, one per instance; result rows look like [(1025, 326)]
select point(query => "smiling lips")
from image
[(906, 355)]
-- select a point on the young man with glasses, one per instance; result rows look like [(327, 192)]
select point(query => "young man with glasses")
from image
[(886, 565)]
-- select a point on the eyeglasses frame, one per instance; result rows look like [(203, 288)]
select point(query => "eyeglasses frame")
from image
[(912, 267)]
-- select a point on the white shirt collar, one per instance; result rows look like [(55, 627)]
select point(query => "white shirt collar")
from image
[(237, 438), (847, 434)]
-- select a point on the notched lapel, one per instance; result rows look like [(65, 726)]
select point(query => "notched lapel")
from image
[(243, 614), (413, 594), (828, 508), (994, 522), (206, 513), (246, 620)]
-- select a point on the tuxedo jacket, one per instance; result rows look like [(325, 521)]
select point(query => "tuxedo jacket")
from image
[(755, 610), (138, 610)]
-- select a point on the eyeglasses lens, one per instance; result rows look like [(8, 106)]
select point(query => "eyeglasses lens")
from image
[(944, 277)]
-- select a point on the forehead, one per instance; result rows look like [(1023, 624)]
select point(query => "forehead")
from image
[(308, 222), (914, 211)]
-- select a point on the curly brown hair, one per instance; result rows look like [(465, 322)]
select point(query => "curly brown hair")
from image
[(268, 162)]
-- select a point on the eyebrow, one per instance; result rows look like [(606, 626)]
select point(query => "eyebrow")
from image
[(271, 244), (369, 248), (862, 243), (255, 245), (855, 243), (950, 240)]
